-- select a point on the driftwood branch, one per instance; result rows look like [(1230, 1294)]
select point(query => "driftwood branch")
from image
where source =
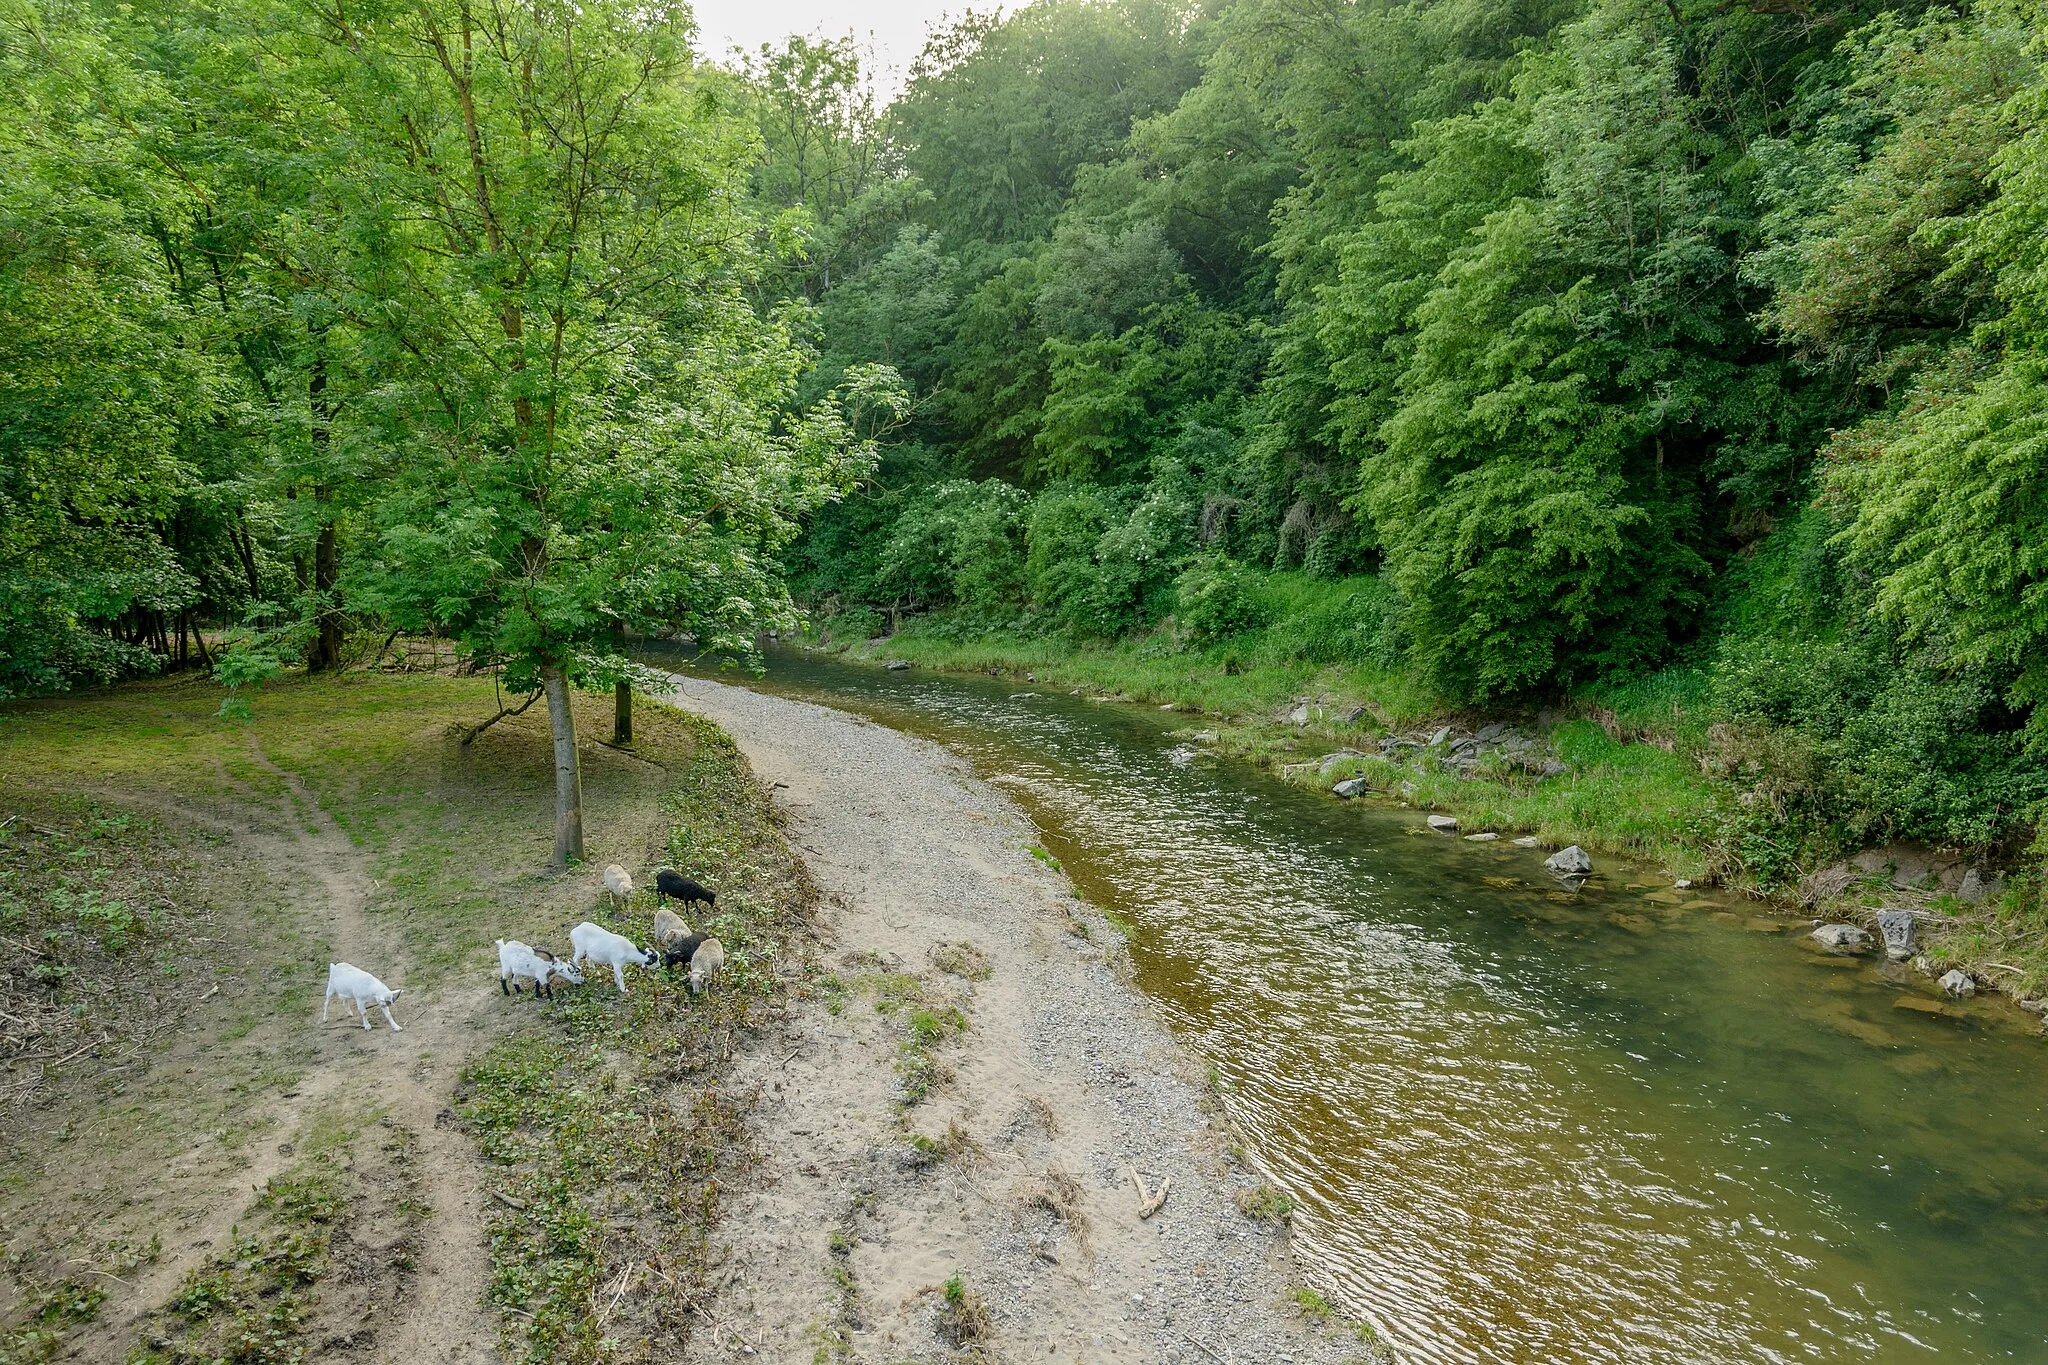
[(1150, 1201), (470, 732)]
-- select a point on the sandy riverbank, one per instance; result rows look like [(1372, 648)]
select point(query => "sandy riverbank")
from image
[(1060, 1084)]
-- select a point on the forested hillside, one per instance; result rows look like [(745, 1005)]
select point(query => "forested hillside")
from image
[(1519, 350)]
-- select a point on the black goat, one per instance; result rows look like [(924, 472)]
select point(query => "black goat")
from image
[(679, 952), (678, 887)]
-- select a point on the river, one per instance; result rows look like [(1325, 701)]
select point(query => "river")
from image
[(1524, 1125)]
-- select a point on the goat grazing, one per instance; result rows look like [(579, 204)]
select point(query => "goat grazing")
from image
[(678, 952), (619, 883), (668, 925), (517, 959), (705, 963), (356, 986), (678, 887), (607, 949)]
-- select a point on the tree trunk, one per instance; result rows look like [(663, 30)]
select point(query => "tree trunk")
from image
[(327, 646), (245, 550), (568, 773), (622, 698)]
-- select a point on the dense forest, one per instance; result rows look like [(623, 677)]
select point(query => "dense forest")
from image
[(1520, 348)]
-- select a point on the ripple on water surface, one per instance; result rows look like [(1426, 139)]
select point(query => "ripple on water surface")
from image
[(1528, 1128)]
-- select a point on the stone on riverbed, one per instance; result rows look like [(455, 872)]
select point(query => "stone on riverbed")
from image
[(897, 665), (1350, 787), (1486, 838), (1527, 841), (1444, 824), (1896, 928), (1842, 938), (1570, 862), (1958, 983)]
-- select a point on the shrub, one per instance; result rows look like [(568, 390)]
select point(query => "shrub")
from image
[(1216, 598)]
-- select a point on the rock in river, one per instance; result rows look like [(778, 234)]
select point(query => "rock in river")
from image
[(1842, 938), (1896, 927), (1570, 862), (1958, 984), (1350, 787), (1444, 824), (897, 665)]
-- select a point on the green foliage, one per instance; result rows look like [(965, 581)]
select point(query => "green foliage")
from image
[(43, 1320), (1216, 598)]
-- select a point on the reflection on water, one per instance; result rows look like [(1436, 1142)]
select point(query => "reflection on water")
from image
[(1521, 1126)]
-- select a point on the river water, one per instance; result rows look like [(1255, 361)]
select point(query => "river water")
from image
[(1521, 1125)]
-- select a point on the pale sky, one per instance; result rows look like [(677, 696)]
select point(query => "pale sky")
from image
[(896, 28)]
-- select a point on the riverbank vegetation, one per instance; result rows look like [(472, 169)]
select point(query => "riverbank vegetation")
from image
[(1672, 368)]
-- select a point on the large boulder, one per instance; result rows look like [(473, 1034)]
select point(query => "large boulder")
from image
[(1350, 787), (1842, 938), (1444, 824), (1570, 862)]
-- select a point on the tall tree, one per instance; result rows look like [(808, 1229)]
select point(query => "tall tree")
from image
[(573, 418)]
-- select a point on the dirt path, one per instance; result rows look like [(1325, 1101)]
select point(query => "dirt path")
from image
[(424, 1299), (1015, 1173)]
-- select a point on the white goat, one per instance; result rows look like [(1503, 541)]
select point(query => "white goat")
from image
[(607, 949), (619, 883), (358, 987), (706, 962), (517, 959)]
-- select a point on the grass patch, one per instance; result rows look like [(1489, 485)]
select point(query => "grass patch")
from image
[(251, 1303), (1313, 1305), (1264, 1204), (49, 1315), (964, 1322), (928, 1023), (963, 960)]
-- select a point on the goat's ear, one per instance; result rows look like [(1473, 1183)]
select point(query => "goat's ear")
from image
[(395, 994)]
